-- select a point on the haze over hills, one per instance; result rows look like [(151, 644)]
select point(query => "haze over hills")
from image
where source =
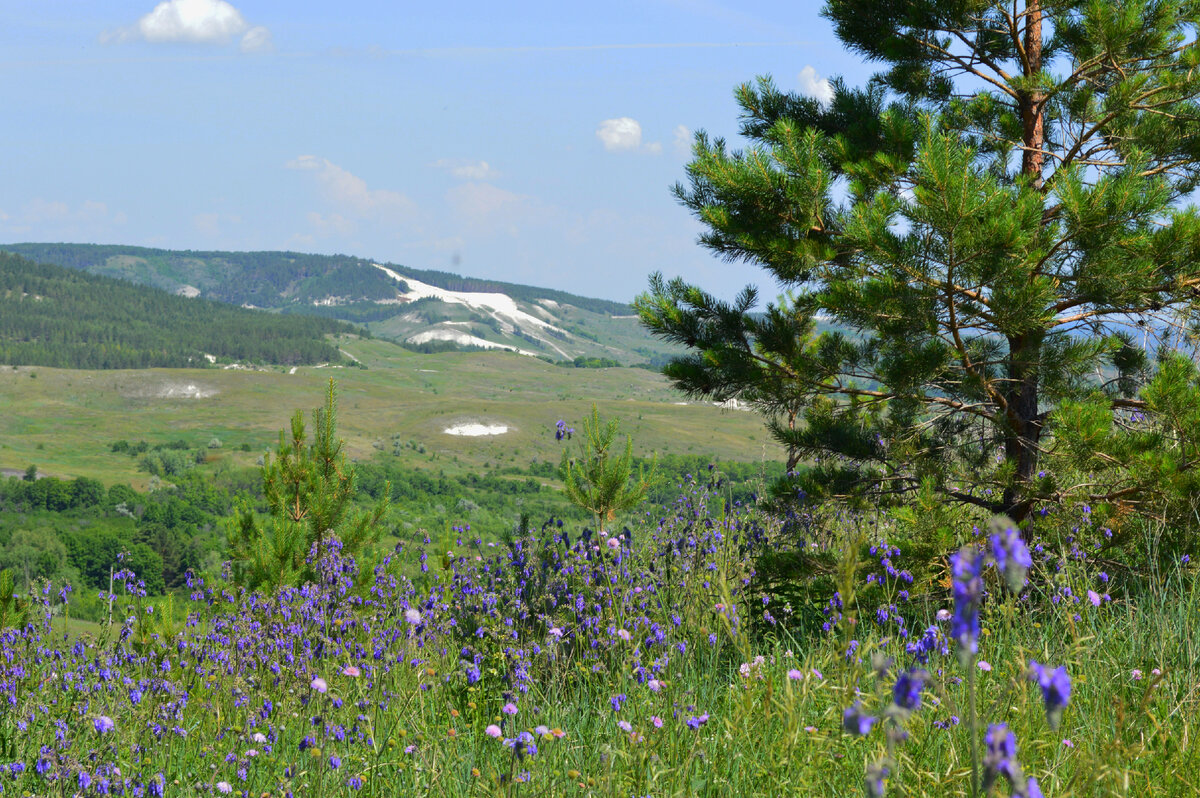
[(427, 310)]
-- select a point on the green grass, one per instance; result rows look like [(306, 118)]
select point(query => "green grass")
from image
[(64, 420)]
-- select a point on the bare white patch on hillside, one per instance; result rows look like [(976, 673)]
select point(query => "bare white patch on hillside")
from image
[(501, 307), (184, 390), (462, 339), (475, 429), (189, 291)]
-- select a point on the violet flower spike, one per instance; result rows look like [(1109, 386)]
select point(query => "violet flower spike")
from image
[(857, 723), (1056, 690), (1010, 552), (966, 566)]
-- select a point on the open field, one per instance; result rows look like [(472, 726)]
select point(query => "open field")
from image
[(65, 420)]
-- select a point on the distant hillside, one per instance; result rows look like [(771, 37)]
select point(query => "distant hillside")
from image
[(55, 316), (424, 310)]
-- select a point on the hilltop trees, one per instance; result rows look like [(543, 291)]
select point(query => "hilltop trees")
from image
[(994, 227)]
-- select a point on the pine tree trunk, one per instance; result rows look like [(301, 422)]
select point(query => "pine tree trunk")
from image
[(1025, 426)]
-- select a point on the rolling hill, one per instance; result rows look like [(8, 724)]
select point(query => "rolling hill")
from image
[(55, 316), (424, 310)]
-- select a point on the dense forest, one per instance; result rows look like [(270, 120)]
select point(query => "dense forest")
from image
[(277, 280), (61, 317)]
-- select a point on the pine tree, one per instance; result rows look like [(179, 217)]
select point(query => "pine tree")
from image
[(309, 489), (601, 481), (992, 229)]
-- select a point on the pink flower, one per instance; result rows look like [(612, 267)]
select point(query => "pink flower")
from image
[(412, 616), (624, 635), (319, 684), (1068, 743), (1136, 674), (657, 721), (1094, 597), (541, 731), (624, 725), (493, 731), (795, 674), (509, 709), (943, 615), (352, 671), (985, 666), (810, 729), (654, 684), (614, 543)]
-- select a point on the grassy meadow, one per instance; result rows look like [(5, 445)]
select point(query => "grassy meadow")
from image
[(720, 649), (64, 420)]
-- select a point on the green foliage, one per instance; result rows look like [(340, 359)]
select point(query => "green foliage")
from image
[(599, 481), (14, 609), (983, 225), (309, 491), (54, 316)]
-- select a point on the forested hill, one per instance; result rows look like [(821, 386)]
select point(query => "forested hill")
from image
[(61, 317), (292, 281)]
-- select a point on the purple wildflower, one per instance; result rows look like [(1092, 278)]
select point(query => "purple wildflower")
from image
[(966, 566), (855, 722), (1056, 690)]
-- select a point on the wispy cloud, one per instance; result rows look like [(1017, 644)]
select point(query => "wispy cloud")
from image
[(48, 218), (194, 21), (349, 193), (575, 48), (467, 170)]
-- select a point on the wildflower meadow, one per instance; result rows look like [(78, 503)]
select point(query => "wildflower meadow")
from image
[(655, 661)]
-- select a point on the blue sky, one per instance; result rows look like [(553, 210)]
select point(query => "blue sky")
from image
[(530, 142)]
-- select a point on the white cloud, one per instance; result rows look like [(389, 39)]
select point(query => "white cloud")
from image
[(467, 170), (622, 133), (814, 85), (195, 21), (350, 193), (683, 140), (257, 40)]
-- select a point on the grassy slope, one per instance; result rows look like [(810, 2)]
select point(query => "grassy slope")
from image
[(64, 420)]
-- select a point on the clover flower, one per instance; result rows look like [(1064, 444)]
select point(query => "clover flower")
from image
[(493, 731), (1056, 690)]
